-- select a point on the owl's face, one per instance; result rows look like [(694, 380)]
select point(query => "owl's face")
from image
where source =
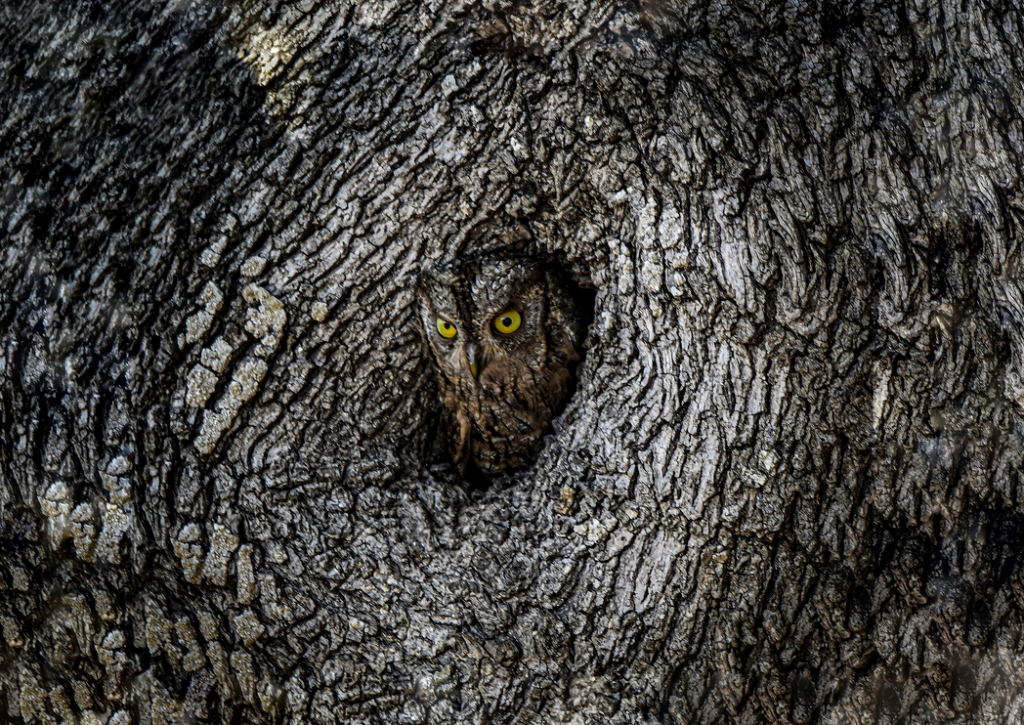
[(483, 317), (502, 332)]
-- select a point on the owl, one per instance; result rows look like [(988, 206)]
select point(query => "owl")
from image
[(504, 335)]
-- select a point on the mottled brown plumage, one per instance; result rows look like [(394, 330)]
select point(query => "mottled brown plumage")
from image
[(499, 390)]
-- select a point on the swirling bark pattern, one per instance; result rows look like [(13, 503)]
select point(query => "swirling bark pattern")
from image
[(786, 490)]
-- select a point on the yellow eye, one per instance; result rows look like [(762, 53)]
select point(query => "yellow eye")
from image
[(446, 329), (507, 322)]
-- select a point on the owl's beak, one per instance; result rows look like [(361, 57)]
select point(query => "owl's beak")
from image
[(473, 357)]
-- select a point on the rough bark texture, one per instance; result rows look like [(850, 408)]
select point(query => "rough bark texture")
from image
[(787, 489)]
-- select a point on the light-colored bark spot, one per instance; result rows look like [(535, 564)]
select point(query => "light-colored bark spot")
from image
[(12, 632), (246, 576), (244, 384), (318, 311), (32, 701), (219, 661), (519, 147), (201, 383), (595, 530), (269, 599), (118, 488), (118, 466), (881, 396), (266, 52), (241, 663), (83, 530), (193, 661), (111, 652), (253, 266), (211, 297), (214, 425), (208, 625), (223, 544), (449, 85), (187, 548), (116, 523), (158, 628), (266, 318), (248, 627), (60, 703), (56, 501), (270, 694), (211, 255), (198, 324), (20, 580), (217, 355)]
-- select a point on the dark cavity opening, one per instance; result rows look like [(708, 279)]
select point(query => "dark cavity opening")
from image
[(573, 281)]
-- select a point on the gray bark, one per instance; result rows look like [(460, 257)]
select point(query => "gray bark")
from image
[(786, 490)]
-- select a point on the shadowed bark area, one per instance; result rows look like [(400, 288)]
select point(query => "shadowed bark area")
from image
[(785, 491)]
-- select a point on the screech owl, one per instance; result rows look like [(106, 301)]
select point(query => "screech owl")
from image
[(504, 334)]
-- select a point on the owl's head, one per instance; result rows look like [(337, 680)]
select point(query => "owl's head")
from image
[(484, 318), (503, 332)]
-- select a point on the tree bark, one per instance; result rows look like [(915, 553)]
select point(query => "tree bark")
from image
[(785, 491)]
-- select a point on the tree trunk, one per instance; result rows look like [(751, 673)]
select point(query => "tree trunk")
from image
[(786, 489)]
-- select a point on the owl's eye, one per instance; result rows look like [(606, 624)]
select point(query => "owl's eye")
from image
[(507, 322), (447, 329)]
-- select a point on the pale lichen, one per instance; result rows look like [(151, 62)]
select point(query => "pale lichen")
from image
[(197, 324), (56, 502), (201, 383), (318, 311), (246, 579), (248, 627), (83, 530), (223, 544), (266, 317), (12, 632), (245, 674), (265, 320), (187, 548), (253, 267), (116, 523), (216, 356), (193, 660), (211, 255), (158, 628), (244, 384), (118, 488), (219, 661)]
